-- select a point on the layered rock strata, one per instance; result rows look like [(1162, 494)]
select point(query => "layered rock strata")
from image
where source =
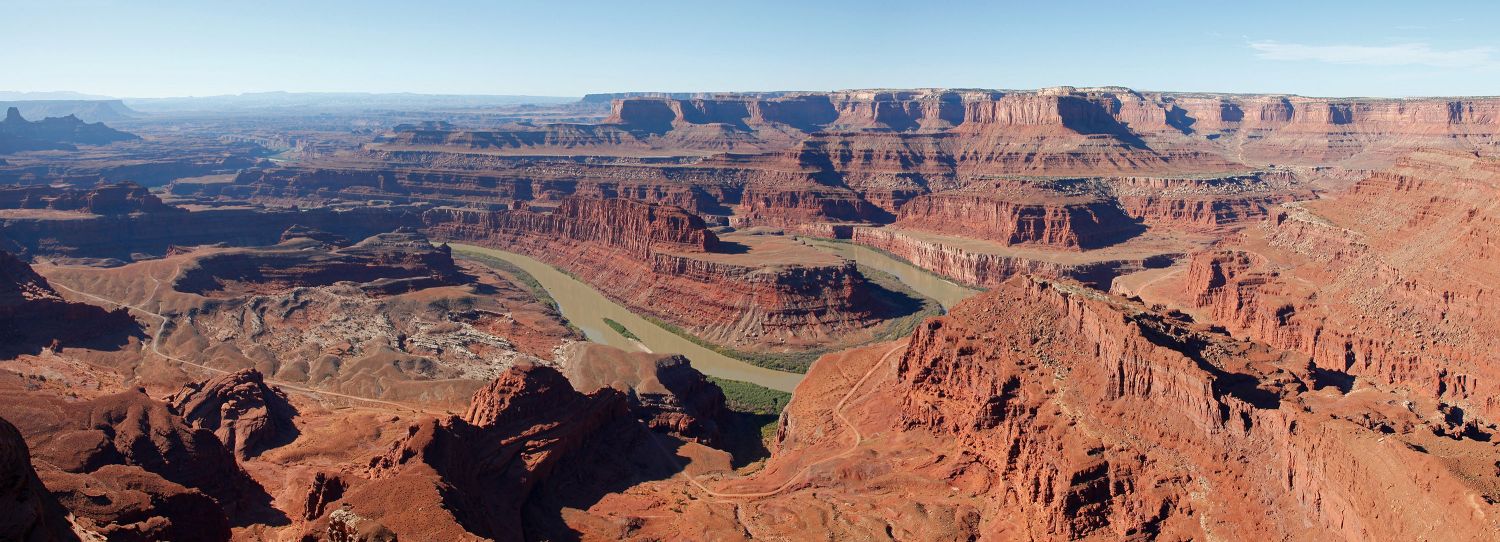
[(1386, 281), (387, 263), (1075, 223)]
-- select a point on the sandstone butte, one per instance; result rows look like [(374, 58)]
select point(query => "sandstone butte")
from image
[(1207, 317)]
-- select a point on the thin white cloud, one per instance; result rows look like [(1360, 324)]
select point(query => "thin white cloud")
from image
[(1401, 54)]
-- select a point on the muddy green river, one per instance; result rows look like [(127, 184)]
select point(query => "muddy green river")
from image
[(587, 309), (946, 292)]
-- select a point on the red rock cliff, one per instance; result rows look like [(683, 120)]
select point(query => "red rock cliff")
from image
[(1068, 222), (1106, 420), (1385, 281)]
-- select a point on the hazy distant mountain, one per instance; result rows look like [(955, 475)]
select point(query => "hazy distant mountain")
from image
[(87, 110), (325, 101), (11, 95), (19, 134)]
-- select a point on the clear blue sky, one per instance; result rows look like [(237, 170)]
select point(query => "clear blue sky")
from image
[(151, 48)]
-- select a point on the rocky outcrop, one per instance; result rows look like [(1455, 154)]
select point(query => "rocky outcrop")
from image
[(346, 526), (325, 490), (113, 199), (1206, 204), (245, 413), (1044, 410), (479, 470), (31, 513), (766, 204), (126, 466), (129, 503), (637, 228), (665, 392), (18, 134)]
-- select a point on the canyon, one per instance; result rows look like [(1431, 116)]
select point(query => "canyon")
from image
[(1382, 309), (1045, 410), (675, 269), (884, 314)]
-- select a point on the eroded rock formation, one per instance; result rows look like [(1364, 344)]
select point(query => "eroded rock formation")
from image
[(475, 474), (665, 392), (1062, 221), (129, 468), (1386, 281), (245, 413), (987, 267)]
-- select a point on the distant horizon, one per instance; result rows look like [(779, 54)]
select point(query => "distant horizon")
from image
[(179, 48), (7, 95)]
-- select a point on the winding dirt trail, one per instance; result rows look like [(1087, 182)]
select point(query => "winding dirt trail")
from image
[(838, 412), (155, 349)]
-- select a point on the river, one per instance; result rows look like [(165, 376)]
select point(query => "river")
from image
[(946, 292), (586, 308)]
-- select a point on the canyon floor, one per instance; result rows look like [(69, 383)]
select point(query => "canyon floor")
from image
[(1058, 314)]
